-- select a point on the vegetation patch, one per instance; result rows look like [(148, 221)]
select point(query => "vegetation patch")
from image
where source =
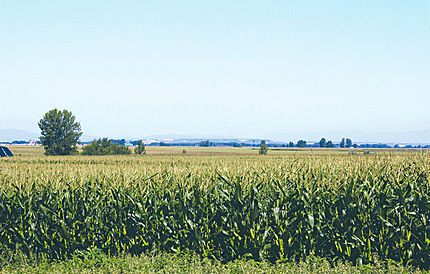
[(106, 147)]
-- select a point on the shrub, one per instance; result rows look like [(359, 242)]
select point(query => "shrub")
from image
[(140, 149), (104, 147), (263, 147)]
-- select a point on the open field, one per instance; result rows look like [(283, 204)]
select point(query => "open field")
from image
[(220, 203), (22, 150)]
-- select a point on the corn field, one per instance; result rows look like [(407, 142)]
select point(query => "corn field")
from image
[(355, 208)]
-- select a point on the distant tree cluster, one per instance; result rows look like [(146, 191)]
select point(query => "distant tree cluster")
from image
[(301, 143), (324, 143), (206, 143), (104, 147), (118, 141), (61, 133), (346, 143)]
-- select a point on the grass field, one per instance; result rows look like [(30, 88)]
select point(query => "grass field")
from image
[(216, 202)]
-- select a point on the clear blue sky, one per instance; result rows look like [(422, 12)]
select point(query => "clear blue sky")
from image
[(231, 68)]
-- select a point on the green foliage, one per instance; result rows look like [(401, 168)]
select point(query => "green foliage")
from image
[(104, 147), (301, 143), (60, 132), (263, 147), (357, 221), (140, 149), (323, 142), (96, 262), (345, 143), (348, 143), (206, 143)]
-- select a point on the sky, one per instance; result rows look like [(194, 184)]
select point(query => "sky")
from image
[(217, 68)]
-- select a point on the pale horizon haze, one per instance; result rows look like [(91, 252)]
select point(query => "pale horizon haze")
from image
[(217, 68)]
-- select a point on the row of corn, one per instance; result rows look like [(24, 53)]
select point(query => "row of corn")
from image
[(363, 218)]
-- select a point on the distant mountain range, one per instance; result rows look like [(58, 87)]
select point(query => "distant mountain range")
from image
[(413, 137), (9, 135), (410, 137)]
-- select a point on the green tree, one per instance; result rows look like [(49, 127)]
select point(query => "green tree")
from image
[(140, 149), (323, 142), (205, 143), (301, 143), (342, 143), (263, 147), (104, 147), (60, 132), (290, 144), (329, 144), (348, 143)]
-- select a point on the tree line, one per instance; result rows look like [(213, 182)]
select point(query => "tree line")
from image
[(61, 133)]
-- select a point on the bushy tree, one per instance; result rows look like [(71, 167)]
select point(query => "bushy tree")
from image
[(342, 143), (205, 143), (329, 144), (140, 149), (301, 143), (323, 142), (345, 143), (60, 132), (104, 147), (263, 147), (291, 144)]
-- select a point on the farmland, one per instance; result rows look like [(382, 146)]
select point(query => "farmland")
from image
[(223, 204)]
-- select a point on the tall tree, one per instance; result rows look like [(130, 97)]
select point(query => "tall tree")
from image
[(263, 147), (329, 144), (323, 142), (60, 132), (140, 149), (342, 143), (348, 142)]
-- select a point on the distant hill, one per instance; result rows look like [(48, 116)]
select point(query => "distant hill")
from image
[(422, 137), (8, 135), (411, 137)]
